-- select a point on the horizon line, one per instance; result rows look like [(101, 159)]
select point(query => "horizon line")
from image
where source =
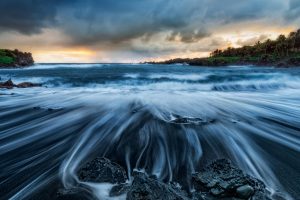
[(88, 63)]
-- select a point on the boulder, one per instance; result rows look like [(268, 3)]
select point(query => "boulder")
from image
[(102, 170), (119, 189), (28, 84), (10, 85), (221, 179), (244, 191), (149, 188), (7, 84)]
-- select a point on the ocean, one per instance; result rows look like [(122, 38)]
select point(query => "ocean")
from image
[(168, 120)]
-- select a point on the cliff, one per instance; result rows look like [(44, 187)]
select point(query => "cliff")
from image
[(15, 58)]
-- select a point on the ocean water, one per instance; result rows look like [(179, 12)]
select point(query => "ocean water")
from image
[(169, 120)]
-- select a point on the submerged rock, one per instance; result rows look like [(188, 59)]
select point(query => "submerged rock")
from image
[(221, 179), (102, 170), (7, 84), (48, 108), (177, 119), (148, 188), (119, 189), (244, 191), (28, 84), (10, 85)]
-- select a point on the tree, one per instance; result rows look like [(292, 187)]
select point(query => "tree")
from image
[(281, 45), (291, 40), (217, 52), (297, 39), (269, 46)]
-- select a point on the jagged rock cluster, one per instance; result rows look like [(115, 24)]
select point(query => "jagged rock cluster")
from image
[(102, 170), (10, 85), (219, 180)]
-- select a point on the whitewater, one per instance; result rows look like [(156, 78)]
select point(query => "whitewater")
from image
[(168, 120)]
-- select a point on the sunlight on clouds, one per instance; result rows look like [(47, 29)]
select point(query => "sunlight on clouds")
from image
[(238, 39), (158, 48), (248, 33), (180, 55), (55, 46), (65, 56)]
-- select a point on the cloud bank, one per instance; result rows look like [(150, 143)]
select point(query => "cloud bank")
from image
[(141, 29)]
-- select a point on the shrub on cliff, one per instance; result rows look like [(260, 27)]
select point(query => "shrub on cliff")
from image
[(4, 59), (15, 58)]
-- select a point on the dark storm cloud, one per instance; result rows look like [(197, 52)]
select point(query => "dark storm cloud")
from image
[(294, 10), (94, 22), (118, 21), (229, 11), (28, 16), (190, 20), (187, 36)]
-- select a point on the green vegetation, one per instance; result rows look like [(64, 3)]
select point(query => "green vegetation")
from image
[(223, 59), (15, 58), (5, 58), (270, 51), (2, 52)]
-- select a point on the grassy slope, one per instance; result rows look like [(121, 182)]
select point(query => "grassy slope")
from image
[(5, 59)]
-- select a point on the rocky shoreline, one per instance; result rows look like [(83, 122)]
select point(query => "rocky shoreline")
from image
[(218, 180), (15, 58), (227, 61)]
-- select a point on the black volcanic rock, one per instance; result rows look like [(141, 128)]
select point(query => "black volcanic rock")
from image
[(119, 189), (148, 188), (7, 84), (177, 119), (28, 84), (102, 170), (221, 179), (10, 85)]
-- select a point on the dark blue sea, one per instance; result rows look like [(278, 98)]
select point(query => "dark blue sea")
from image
[(169, 120)]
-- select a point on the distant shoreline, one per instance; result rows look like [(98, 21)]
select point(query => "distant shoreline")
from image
[(229, 61), (282, 52)]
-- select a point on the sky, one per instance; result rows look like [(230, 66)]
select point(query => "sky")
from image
[(139, 30)]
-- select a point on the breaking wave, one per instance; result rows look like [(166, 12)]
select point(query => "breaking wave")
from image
[(166, 120)]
